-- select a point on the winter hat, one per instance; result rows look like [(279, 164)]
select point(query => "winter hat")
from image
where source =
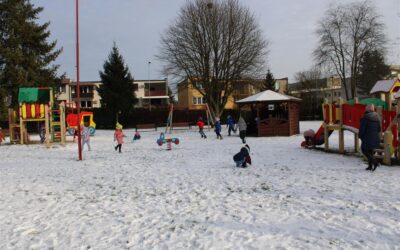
[(248, 147), (370, 107)]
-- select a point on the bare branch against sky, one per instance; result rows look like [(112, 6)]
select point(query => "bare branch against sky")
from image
[(136, 26)]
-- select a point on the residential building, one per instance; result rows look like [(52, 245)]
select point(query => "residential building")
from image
[(313, 94), (189, 96), (154, 92), (394, 71)]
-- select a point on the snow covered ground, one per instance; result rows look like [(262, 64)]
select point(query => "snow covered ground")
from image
[(193, 197)]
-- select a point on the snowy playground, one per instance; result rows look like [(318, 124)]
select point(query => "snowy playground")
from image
[(193, 196)]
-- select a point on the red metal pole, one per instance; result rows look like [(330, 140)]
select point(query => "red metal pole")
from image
[(78, 89)]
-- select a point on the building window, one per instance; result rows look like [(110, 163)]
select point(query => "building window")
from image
[(198, 100), (86, 104), (73, 89), (61, 89), (86, 89), (198, 85)]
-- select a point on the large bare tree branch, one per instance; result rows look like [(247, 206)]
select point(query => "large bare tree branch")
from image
[(345, 33), (217, 46)]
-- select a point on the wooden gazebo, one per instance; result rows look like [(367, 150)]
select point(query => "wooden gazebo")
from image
[(273, 114)]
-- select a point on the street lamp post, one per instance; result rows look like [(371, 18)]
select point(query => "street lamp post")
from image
[(78, 90), (148, 82)]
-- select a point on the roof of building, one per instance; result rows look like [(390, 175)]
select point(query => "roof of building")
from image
[(268, 95), (384, 86)]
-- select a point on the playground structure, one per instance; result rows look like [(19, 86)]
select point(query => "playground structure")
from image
[(162, 140), (170, 124), (36, 105), (342, 116), (72, 120)]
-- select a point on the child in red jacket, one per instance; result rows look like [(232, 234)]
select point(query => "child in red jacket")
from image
[(2, 137), (200, 123)]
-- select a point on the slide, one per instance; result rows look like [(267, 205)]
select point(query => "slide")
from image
[(318, 137)]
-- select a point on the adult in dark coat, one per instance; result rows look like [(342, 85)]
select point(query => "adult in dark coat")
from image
[(370, 127)]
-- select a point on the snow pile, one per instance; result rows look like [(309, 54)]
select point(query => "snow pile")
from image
[(194, 197)]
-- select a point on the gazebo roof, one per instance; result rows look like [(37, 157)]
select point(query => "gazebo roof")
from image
[(268, 95)]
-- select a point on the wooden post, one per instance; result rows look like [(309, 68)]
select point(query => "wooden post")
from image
[(398, 125), (379, 111), (209, 116), (11, 124), (258, 120), (172, 118), (326, 130), (341, 131), (21, 126), (356, 143), (387, 144), (62, 121), (388, 100), (47, 124)]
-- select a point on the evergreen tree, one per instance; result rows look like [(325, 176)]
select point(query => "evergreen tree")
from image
[(372, 69), (270, 81), (26, 56), (117, 90)]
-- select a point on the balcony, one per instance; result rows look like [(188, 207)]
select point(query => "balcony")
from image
[(83, 95), (155, 93)]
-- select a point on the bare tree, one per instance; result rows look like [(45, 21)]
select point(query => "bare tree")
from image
[(216, 43), (345, 33), (310, 81)]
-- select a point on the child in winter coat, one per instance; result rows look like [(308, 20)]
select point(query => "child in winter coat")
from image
[(309, 137), (119, 137), (2, 137), (218, 128), (42, 134), (85, 136), (242, 129), (136, 136), (243, 157), (230, 122), (200, 123)]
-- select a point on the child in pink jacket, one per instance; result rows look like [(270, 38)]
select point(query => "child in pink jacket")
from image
[(119, 137)]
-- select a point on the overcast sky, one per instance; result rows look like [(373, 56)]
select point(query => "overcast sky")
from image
[(136, 27)]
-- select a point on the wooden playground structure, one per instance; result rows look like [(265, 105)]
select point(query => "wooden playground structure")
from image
[(341, 116), (36, 105)]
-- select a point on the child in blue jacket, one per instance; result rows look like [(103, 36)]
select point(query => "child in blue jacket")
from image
[(218, 128), (230, 122), (243, 157)]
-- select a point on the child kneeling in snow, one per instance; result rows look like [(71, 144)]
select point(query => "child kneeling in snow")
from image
[(136, 136), (243, 157)]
